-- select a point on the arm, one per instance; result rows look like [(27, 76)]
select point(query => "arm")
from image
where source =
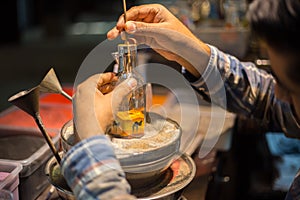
[(249, 92), (93, 172), (91, 168)]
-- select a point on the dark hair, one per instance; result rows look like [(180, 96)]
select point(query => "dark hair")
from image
[(277, 22)]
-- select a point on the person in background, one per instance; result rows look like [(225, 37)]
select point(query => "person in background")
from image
[(92, 170)]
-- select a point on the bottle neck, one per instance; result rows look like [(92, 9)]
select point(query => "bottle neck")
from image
[(127, 58)]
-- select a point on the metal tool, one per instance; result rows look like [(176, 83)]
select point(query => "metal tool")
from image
[(123, 33), (124, 10), (28, 101), (51, 84)]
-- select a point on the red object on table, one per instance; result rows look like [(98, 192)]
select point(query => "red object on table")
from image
[(55, 111)]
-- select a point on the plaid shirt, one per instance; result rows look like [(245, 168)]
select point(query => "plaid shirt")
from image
[(247, 91), (92, 170)]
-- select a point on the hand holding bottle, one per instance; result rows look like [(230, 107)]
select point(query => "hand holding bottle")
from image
[(92, 109)]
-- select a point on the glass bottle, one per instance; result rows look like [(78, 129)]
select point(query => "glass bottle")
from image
[(130, 118)]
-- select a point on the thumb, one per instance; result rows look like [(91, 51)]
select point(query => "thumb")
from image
[(132, 27)]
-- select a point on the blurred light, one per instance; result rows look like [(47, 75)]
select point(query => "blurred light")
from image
[(79, 28), (91, 28)]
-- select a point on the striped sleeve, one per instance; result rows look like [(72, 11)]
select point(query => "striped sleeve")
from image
[(242, 88), (93, 172)]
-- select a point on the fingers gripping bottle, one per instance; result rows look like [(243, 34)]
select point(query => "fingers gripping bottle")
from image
[(130, 116)]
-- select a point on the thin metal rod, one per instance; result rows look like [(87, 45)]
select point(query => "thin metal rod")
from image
[(125, 20), (66, 95), (125, 10), (40, 124)]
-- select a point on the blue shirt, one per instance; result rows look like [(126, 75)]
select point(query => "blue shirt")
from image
[(93, 172)]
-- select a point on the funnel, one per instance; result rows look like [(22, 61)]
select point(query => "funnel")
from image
[(28, 101), (51, 84)]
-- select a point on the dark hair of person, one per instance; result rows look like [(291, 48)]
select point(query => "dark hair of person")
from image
[(277, 22)]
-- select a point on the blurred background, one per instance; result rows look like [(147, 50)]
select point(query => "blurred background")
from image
[(39, 34)]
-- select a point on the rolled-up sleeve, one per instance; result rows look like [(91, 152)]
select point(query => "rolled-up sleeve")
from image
[(242, 88), (93, 172)]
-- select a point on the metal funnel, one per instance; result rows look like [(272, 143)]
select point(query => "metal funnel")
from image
[(51, 84), (28, 101)]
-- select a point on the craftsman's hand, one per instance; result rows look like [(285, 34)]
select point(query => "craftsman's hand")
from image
[(157, 27), (95, 101)]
